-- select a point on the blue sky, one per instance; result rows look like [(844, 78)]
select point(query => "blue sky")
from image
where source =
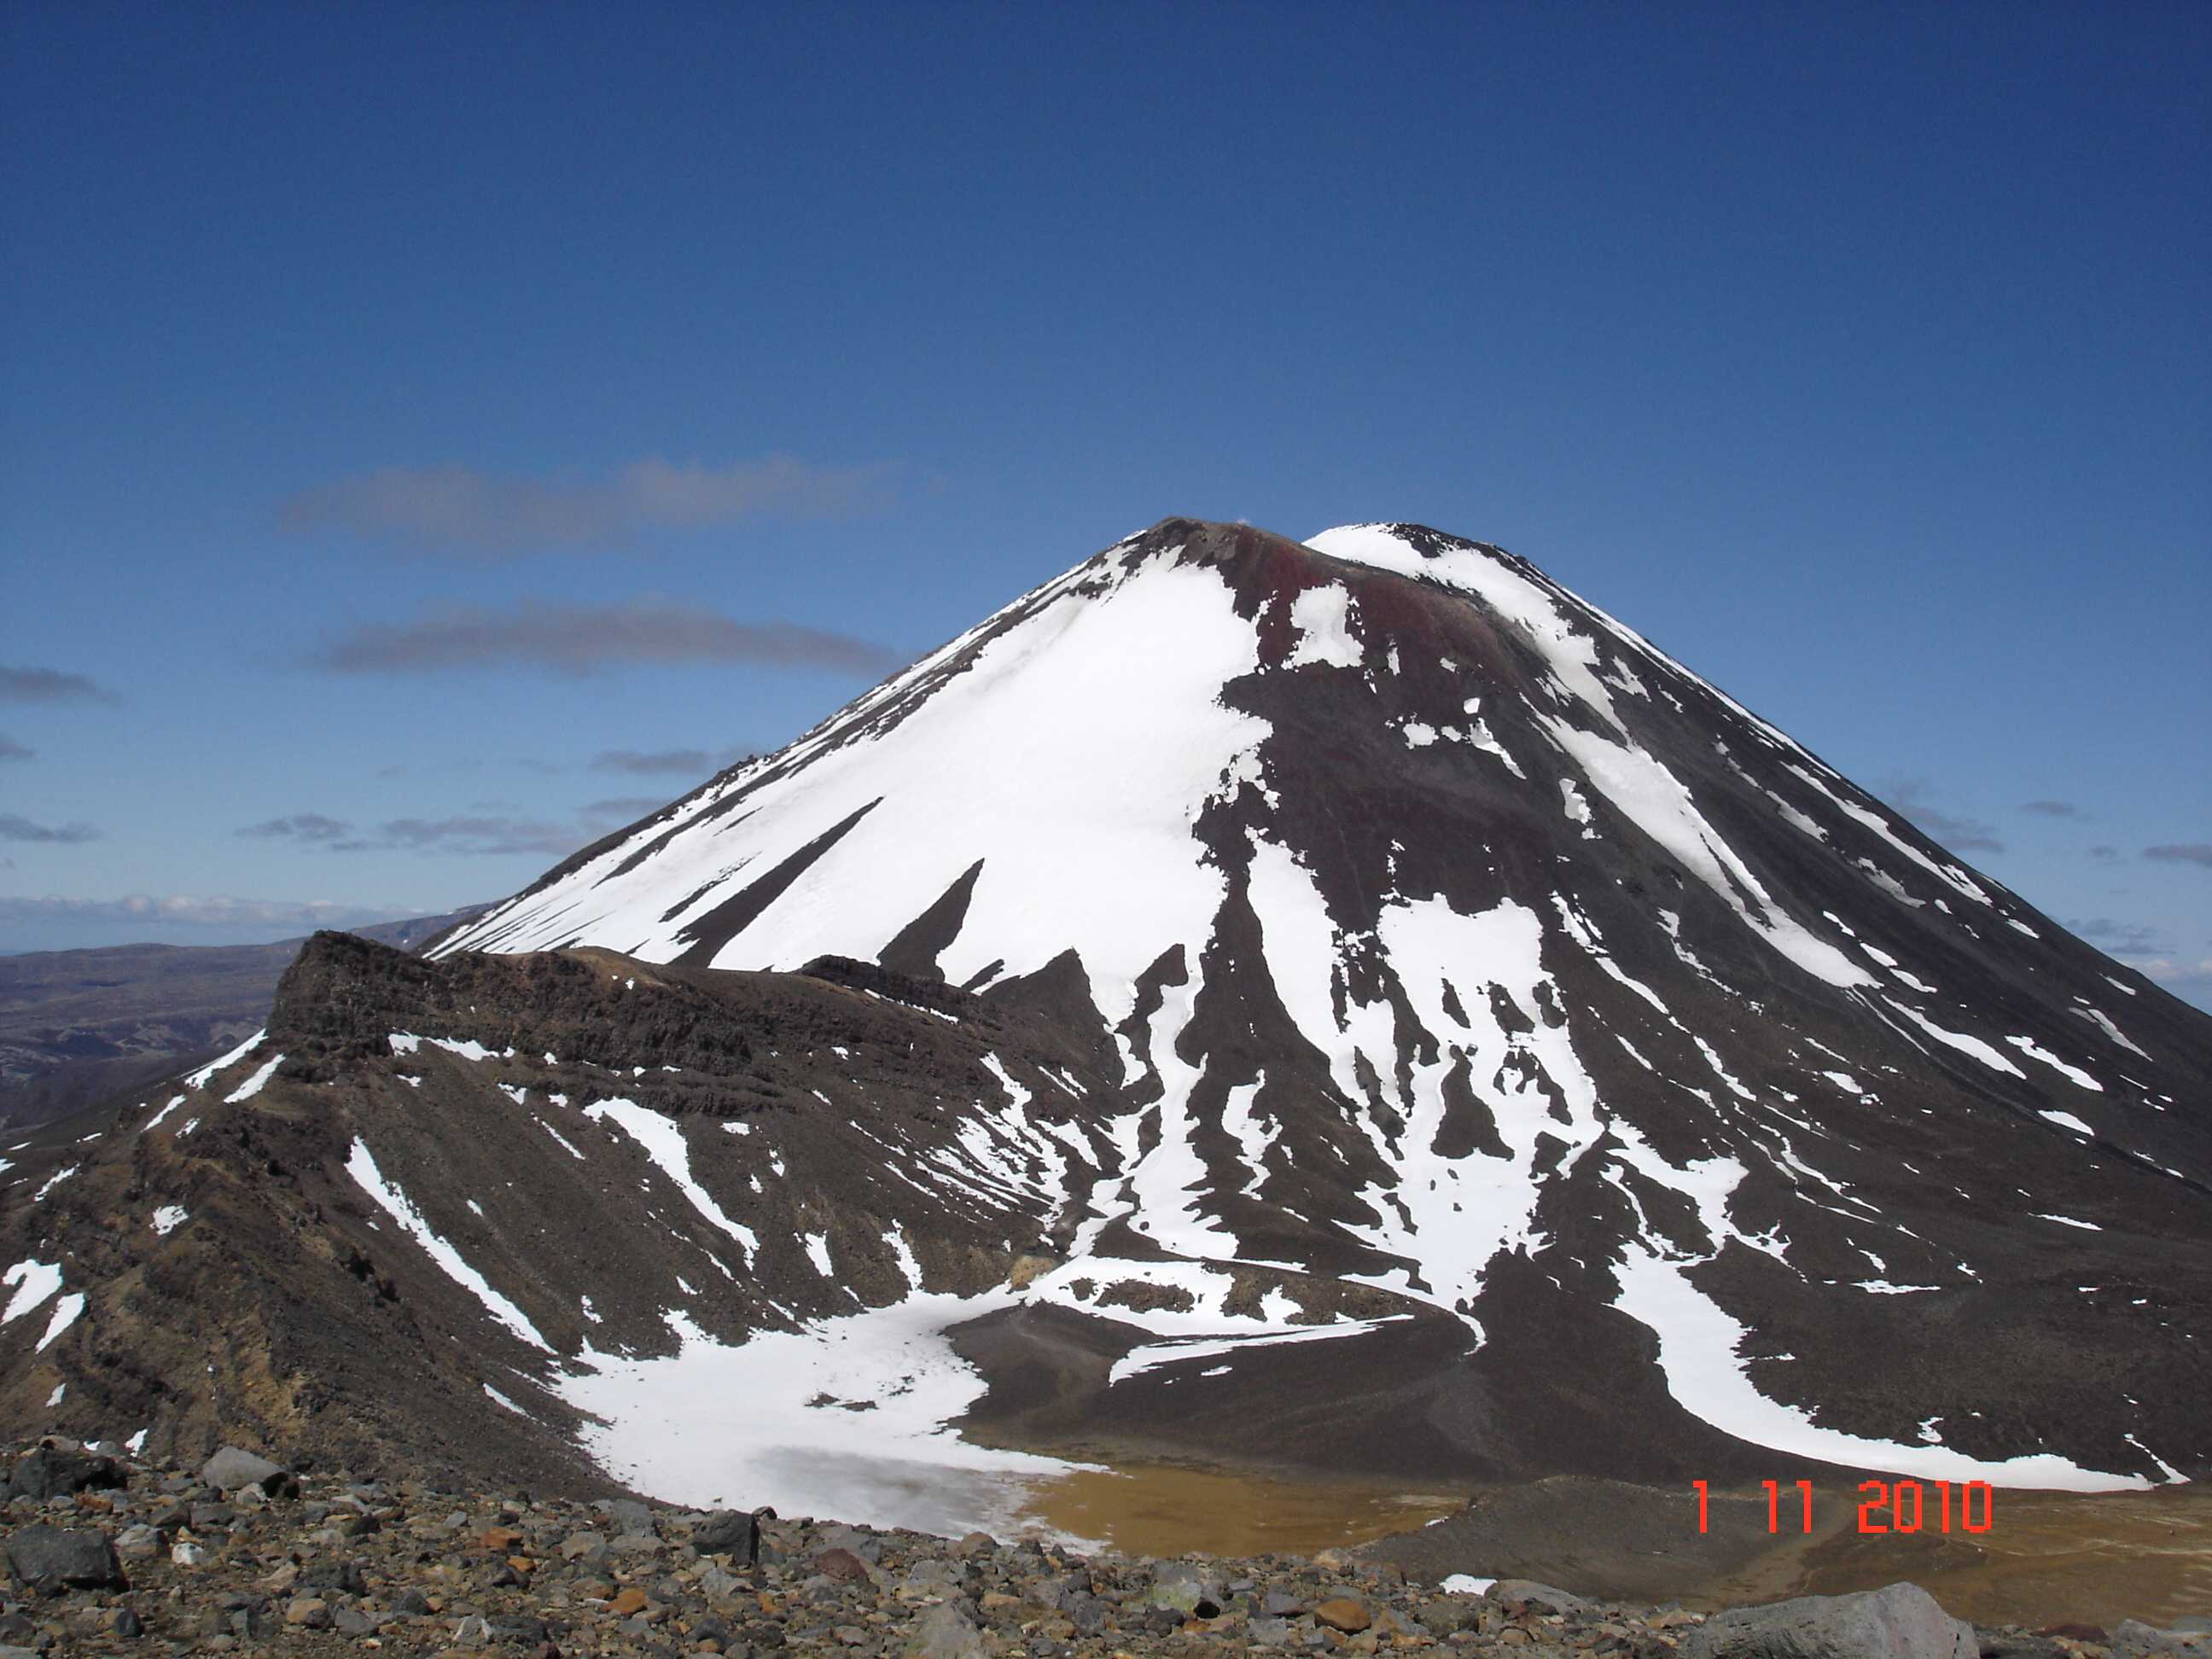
[(684, 366)]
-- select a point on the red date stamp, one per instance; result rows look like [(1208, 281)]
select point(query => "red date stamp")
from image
[(1904, 1506)]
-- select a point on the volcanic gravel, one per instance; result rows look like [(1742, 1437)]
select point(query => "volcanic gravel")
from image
[(110, 1554)]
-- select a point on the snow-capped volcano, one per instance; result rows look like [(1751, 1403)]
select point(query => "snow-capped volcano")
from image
[(1350, 1004), (1451, 939)]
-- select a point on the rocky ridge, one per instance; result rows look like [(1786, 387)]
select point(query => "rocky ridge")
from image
[(110, 1554)]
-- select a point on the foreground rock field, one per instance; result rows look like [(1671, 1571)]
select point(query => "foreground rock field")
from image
[(109, 1554)]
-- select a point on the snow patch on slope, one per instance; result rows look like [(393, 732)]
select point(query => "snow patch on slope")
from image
[(361, 1164)]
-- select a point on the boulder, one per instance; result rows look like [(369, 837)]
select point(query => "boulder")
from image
[(1341, 1613), (946, 1632), (717, 1585), (734, 1533), (1182, 1587), (1901, 1621), (57, 1471), (47, 1558), (1542, 1598), (859, 1541), (233, 1467), (2133, 1639), (843, 1565)]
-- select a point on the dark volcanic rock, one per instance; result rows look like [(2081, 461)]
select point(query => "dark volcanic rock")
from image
[(57, 1471), (734, 1533), (50, 1559)]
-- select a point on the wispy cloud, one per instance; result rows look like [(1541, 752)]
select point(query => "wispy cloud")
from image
[(456, 509), (49, 685), (686, 762), (2053, 809), (2104, 854), (489, 828), (12, 828), (197, 911), (469, 835), (11, 750), (2119, 938), (2195, 852), (585, 638), (301, 826), (1961, 835), (2172, 970)]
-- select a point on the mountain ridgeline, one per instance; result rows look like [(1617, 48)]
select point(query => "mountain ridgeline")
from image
[(1350, 1004)]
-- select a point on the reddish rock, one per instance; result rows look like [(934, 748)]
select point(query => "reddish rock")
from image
[(1342, 1613)]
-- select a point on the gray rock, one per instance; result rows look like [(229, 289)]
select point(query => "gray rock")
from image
[(734, 1533), (232, 1468), (938, 1577), (1902, 1621), (1184, 1587), (946, 1632), (866, 1545), (1545, 1598), (2133, 1639), (632, 1519), (254, 1624), (47, 1558), (1270, 1632), (1281, 1604), (138, 1543), (345, 1577)]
